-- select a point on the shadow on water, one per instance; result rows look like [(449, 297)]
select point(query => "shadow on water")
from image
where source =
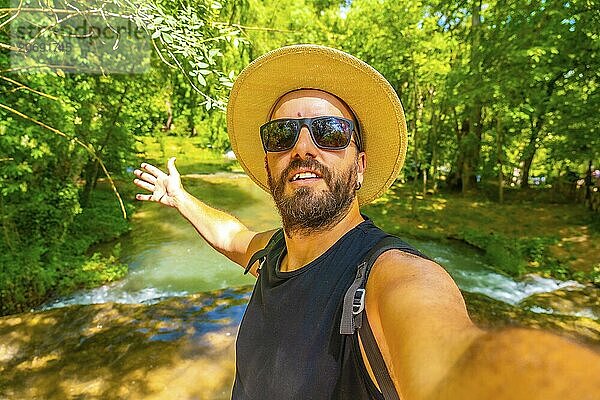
[(177, 348)]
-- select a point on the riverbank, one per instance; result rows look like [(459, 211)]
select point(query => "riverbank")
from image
[(529, 233), (178, 348), (533, 231), (37, 271)]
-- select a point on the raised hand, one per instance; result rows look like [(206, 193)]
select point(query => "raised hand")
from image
[(165, 188)]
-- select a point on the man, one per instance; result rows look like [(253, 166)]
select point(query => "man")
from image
[(325, 133)]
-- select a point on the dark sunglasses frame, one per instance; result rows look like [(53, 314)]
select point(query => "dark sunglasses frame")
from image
[(308, 122)]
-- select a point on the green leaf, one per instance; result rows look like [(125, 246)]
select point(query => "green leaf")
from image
[(167, 38)]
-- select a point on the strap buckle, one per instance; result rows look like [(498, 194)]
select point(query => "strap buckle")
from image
[(261, 262), (358, 304)]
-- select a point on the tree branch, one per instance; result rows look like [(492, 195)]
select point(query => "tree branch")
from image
[(22, 86), (2, 25), (252, 28), (49, 10), (86, 146), (11, 48)]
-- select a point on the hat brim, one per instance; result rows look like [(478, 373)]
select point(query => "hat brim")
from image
[(370, 96)]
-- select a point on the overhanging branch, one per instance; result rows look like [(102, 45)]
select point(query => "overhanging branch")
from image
[(86, 146)]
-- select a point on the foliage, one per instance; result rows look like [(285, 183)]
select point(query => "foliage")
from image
[(70, 118), (37, 269), (186, 36), (495, 94), (500, 251)]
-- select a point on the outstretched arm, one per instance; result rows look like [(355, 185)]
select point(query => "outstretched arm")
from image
[(435, 352), (523, 364), (222, 231)]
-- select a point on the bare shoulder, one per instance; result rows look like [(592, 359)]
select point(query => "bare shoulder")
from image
[(434, 351), (400, 281), (419, 319), (396, 269)]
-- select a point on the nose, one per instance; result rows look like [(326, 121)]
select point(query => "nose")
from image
[(304, 147)]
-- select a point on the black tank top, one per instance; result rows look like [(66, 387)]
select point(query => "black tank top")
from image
[(289, 344)]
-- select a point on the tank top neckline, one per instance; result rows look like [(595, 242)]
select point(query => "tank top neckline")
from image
[(289, 274)]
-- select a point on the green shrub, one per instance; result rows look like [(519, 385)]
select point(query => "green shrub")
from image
[(35, 268), (501, 252)]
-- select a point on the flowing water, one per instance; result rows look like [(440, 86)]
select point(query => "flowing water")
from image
[(167, 258), (167, 329)]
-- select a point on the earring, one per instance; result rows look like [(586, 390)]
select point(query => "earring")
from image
[(357, 186)]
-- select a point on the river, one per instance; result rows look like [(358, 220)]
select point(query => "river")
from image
[(167, 329)]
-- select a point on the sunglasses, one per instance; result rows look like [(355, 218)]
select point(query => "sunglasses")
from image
[(327, 132)]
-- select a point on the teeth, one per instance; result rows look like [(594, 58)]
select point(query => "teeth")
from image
[(304, 175)]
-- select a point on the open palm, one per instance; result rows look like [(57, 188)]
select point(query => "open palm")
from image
[(164, 187)]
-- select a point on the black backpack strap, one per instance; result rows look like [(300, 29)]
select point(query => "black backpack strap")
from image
[(262, 253), (386, 384), (354, 299), (353, 312)]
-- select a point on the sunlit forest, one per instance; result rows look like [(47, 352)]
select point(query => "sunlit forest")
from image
[(501, 99), (503, 168)]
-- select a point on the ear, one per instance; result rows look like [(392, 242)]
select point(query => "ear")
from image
[(361, 161)]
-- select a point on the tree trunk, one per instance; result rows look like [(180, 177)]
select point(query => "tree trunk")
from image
[(169, 121), (433, 139), (588, 182), (456, 176), (91, 176), (529, 151), (500, 158), (414, 130), (472, 144), (435, 175), (92, 167), (537, 125), (193, 105), (527, 160)]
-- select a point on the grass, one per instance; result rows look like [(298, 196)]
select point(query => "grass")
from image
[(192, 158)]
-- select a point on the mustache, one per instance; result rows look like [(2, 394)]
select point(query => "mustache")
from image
[(308, 163)]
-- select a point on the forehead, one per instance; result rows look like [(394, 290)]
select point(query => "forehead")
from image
[(306, 103)]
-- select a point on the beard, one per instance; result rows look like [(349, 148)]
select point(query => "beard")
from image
[(309, 210)]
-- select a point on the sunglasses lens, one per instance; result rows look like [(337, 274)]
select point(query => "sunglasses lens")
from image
[(331, 132), (279, 135)]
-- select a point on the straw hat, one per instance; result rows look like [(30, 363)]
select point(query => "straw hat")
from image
[(369, 95)]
